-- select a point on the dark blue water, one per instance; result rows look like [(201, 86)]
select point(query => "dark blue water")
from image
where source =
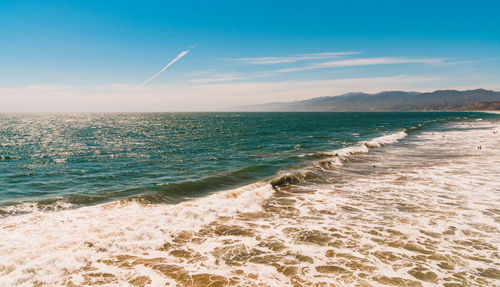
[(91, 158)]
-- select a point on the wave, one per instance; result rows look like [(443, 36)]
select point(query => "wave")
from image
[(176, 192), (68, 240), (9, 158), (385, 140), (163, 192), (334, 159), (361, 147), (294, 178), (30, 207)]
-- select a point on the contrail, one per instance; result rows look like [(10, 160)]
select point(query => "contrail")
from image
[(182, 54)]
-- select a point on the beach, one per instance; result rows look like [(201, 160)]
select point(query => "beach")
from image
[(418, 206)]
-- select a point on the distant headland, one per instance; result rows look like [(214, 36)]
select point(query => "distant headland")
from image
[(439, 100)]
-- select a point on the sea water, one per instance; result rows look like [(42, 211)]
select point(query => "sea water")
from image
[(253, 199)]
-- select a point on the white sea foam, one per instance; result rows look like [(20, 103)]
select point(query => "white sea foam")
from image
[(348, 151), (47, 246), (364, 146), (385, 140)]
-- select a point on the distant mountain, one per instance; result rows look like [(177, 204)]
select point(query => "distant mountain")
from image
[(389, 101), (481, 106)]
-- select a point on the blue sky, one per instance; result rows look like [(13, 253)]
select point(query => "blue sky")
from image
[(94, 55)]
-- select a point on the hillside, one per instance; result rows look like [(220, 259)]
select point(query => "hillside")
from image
[(479, 99), (482, 106)]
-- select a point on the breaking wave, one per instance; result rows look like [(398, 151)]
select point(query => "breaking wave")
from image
[(333, 160)]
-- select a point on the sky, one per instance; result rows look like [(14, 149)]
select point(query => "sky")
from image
[(78, 56)]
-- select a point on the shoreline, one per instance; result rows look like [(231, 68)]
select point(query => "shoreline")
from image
[(63, 203), (364, 220)]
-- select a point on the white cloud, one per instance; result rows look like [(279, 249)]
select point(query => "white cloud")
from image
[(353, 62), (292, 59), (364, 62), (214, 77)]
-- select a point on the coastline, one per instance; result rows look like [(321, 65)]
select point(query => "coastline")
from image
[(490, 112), (382, 217)]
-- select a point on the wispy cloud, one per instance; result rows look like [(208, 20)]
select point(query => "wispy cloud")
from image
[(217, 78), (202, 77), (182, 54), (293, 59), (364, 62)]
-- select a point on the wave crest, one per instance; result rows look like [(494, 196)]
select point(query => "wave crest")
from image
[(385, 140), (333, 159)]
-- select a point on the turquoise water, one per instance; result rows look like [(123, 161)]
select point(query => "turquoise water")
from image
[(164, 157)]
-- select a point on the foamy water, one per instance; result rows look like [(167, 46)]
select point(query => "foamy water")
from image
[(422, 211)]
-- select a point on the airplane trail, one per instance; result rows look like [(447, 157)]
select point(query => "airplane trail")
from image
[(182, 54)]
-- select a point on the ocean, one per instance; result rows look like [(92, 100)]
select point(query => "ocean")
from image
[(250, 199)]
